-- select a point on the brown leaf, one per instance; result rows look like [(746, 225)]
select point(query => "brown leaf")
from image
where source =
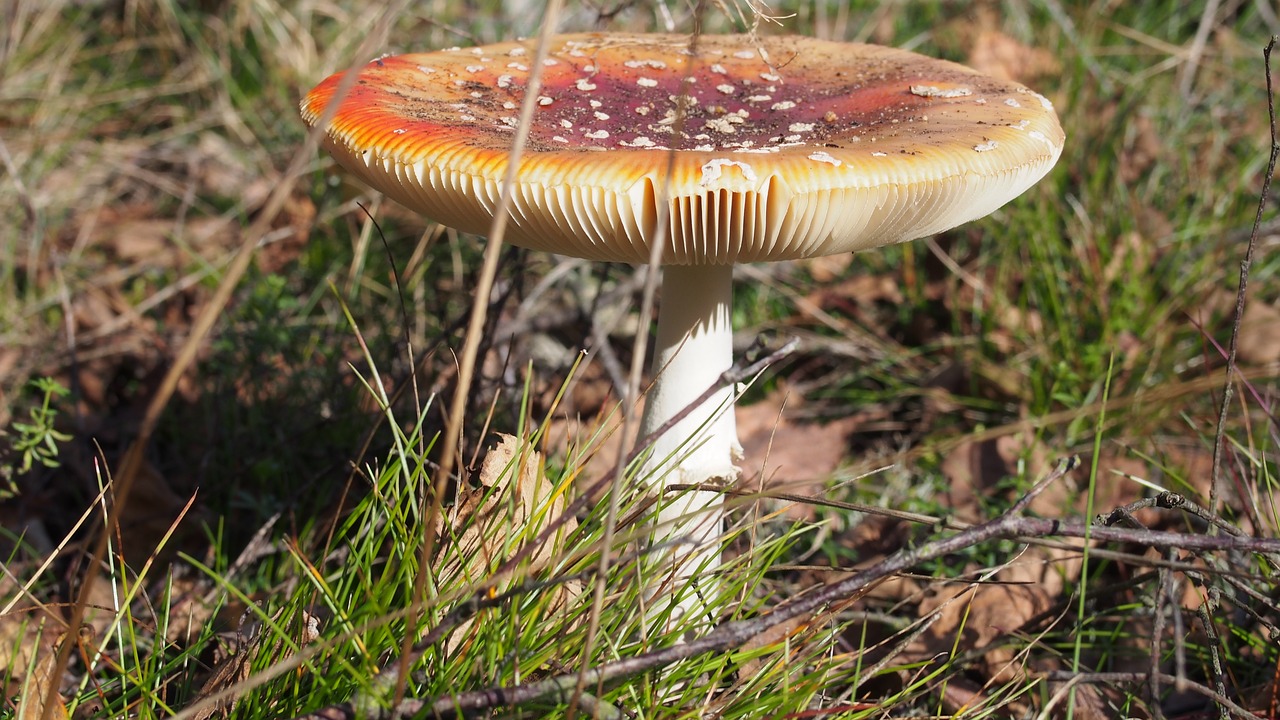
[(772, 636), (999, 55), (237, 668), (974, 469), (1259, 341), (981, 614), (827, 268), (513, 493), (28, 656), (791, 457), (514, 499)]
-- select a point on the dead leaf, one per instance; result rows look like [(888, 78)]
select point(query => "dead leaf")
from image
[(1259, 341), (788, 456), (827, 268), (770, 637), (981, 614), (974, 469), (28, 656), (513, 493), (1143, 149), (237, 668), (997, 54), (513, 499)]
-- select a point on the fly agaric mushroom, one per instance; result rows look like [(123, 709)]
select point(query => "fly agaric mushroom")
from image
[(760, 149)]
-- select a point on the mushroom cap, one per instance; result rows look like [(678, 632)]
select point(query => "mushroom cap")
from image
[(764, 148)]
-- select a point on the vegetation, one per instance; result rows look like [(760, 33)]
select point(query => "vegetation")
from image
[(266, 559)]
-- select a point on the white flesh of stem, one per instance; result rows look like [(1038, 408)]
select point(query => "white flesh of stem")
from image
[(694, 347)]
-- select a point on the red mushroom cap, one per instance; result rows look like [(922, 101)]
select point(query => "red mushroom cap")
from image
[(777, 148)]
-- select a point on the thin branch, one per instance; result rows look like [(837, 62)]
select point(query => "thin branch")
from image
[(733, 634), (1264, 197), (1133, 677)]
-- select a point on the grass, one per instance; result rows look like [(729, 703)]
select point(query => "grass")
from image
[(140, 141)]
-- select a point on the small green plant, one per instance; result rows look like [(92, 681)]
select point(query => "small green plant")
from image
[(35, 442)]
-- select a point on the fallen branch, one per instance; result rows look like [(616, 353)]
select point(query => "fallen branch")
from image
[(1011, 525)]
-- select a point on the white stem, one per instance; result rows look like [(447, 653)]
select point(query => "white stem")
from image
[(694, 347)]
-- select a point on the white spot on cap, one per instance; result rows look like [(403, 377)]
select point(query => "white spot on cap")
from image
[(1037, 135), (516, 52), (426, 69), (727, 89), (719, 69), (1020, 125), (770, 77), (474, 68), (715, 168), (800, 127), (596, 104), (784, 105), (559, 139), (821, 156), (585, 85), (550, 62), (597, 134), (566, 124), (641, 142), (399, 131), (544, 101), (759, 98), (937, 92), (721, 124), (879, 154), (988, 145), (646, 82), (508, 105), (642, 109), (744, 54), (1012, 103), (518, 66), (601, 116), (504, 81), (645, 63), (464, 117)]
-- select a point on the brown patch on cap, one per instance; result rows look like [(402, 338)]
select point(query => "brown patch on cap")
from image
[(783, 148)]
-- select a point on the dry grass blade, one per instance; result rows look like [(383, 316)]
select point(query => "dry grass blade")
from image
[(134, 458), (28, 657), (471, 345)]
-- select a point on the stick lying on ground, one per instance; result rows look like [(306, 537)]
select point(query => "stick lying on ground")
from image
[(1011, 525)]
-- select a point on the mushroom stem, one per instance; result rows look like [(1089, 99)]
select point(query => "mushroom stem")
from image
[(694, 348)]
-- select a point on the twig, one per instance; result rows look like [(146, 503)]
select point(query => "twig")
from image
[(1264, 197), (1166, 500), (735, 633), (1215, 657), (1163, 580), (1130, 677)]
